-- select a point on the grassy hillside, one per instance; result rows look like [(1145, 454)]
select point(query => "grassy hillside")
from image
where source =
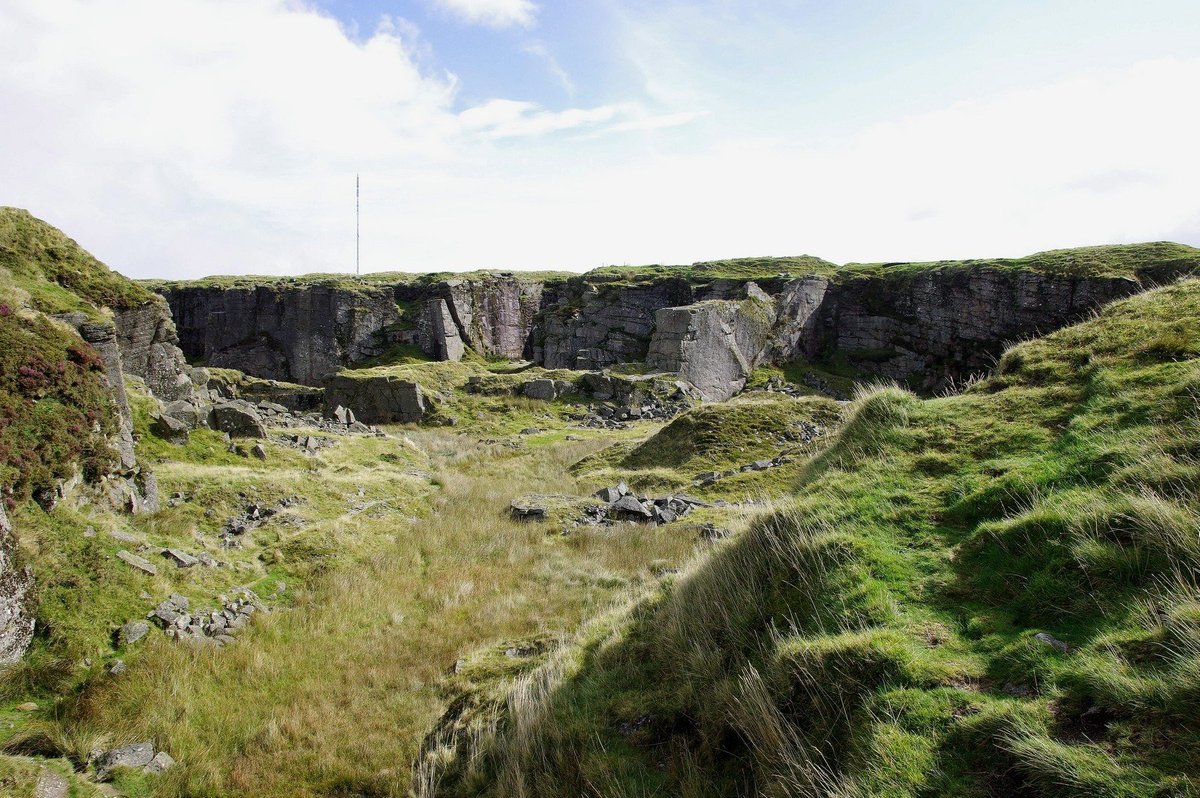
[(881, 636), (56, 273)]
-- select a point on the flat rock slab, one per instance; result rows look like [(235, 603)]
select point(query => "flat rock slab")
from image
[(527, 510), (51, 785), (181, 558), (143, 565), (628, 504), (125, 537), (134, 631), (137, 755)]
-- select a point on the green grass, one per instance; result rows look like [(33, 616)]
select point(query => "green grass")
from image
[(720, 437), (877, 636), (1153, 261), (58, 275)]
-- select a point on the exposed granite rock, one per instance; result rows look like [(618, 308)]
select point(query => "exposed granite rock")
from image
[(797, 308), (378, 400), (299, 333), (496, 314), (713, 345), (150, 349), (925, 324), (103, 338), (16, 618), (438, 334), (935, 326), (238, 418)]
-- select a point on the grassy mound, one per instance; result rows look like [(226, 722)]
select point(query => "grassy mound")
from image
[(721, 437), (995, 593)]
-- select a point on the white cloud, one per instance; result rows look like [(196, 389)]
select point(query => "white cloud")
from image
[(178, 138), (540, 50), (493, 13), (501, 119)]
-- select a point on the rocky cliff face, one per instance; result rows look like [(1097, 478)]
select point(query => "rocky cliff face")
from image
[(16, 618), (495, 315), (931, 328), (149, 348), (301, 334), (924, 324), (713, 345)]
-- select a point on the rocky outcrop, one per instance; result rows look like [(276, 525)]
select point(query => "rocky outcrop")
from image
[(103, 338), (378, 399), (298, 333), (16, 619), (149, 349), (495, 314), (438, 333), (925, 324), (932, 327), (713, 345)]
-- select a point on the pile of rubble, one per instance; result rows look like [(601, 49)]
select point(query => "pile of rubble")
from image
[(238, 418), (810, 380), (709, 477), (621, 504), (609, 416), (212, 627), (616, 504), (254, 516)]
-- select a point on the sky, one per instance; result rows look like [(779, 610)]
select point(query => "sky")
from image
[(182, 138)]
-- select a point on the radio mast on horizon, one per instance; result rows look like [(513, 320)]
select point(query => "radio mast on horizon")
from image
[(357, 235)]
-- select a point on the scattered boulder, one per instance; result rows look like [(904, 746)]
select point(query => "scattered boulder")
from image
[(137, 562), (526, 510), (181, 558), (545, 390), (117, 667), (137, 755), (238, 419), (713, 345), (258, 451), (134, 631), (170, 429), (192, 414), (382, 399), (629, 505), (608, 495)]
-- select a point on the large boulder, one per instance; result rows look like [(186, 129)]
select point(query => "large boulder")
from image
[(438, 333), (16, 618), (191, 413), (138, 755), (713, 345), (378, 399), (170, 428), (239, 419)]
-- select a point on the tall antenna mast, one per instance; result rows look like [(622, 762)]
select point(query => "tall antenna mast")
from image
[(357, 236)]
